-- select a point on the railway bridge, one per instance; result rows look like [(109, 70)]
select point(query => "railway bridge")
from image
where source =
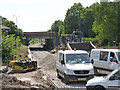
[(50, 38), (39, 35)]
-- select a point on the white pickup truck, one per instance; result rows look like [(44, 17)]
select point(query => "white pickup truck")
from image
[(74, 65)]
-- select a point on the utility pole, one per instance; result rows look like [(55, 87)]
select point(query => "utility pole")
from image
[(79, 25), (57, 37), (52, 33), (16, 19)]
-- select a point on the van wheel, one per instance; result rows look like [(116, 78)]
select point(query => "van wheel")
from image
[(65, 79), (99, 88), (95, 70), (58, 74), (92, 61)]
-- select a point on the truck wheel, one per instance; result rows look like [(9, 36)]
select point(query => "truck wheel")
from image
[(65, 79), (99, 88), (58, 74), (95, 70)]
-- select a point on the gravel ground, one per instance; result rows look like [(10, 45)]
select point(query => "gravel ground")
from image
[(47, 62)]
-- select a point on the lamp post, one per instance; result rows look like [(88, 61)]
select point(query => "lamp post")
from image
[(57, 37), (16, 18)]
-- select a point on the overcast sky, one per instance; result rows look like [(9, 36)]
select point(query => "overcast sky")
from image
[(37, 15)]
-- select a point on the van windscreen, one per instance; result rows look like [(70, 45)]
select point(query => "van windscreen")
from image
[(118, 54), (77, 58)]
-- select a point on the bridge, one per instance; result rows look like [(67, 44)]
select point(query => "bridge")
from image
[(50, 38), (39, 35)]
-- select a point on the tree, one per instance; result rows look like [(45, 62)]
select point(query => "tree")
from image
[(10, 44), (86, 16), (72, 18), (58, 24), (13, 28), (106, 22)]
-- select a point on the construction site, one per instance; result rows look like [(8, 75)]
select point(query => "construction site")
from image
[(43, 75), (37, 68), (81, 51)]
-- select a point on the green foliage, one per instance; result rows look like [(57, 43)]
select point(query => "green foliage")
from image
[(89, 39), (86, 16), (22, 50), (72, 18), (9, 45), (61, 30), (60, 25), (13, 28), (106, 22), (33, 41)]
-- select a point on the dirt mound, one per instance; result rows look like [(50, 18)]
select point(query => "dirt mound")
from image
[(13, 82), (49, 62), (8, 81), (39, 78)]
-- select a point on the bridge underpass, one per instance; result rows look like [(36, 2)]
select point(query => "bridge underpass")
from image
[(50, 38)]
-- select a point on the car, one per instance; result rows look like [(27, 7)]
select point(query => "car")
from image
[(105, 60), (3, 69), (109, 82), (74, 65)]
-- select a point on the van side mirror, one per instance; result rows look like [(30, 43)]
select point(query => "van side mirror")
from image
[(62, 62), (112, 77), (110, 59)]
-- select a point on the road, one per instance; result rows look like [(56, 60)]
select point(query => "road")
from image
[(47, 62)]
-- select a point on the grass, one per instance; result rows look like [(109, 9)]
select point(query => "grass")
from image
[(22, 50), (89, 39)]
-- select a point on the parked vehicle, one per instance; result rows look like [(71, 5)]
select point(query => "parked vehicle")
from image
[(74, 65), (109, 82), (105, 60), (3, 69)]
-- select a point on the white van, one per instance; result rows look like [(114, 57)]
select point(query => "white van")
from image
[(74, 65), (109, 82), (105, 60)]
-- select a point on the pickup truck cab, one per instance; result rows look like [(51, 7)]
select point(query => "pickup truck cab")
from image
[(105, 60), (74, 65), (109, 82)]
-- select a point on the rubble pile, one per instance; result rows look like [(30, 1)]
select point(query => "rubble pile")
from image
[(8, 81), (49, 62), (13, 82), (39, 77)]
